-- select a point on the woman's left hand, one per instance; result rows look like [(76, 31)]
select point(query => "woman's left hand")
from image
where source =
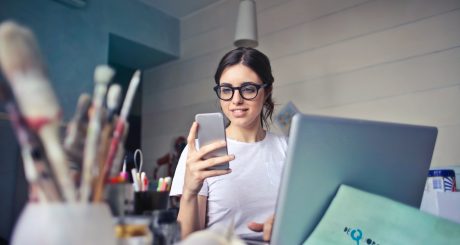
[(265, 227)]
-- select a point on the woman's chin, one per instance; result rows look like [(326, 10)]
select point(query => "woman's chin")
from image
[(243, 123)]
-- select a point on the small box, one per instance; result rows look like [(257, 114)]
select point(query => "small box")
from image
[(442, 204), (441, 180)]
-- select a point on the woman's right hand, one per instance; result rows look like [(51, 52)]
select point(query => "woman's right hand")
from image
[(196, 167)]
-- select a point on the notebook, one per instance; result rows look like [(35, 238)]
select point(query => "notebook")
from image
[(387, 159)]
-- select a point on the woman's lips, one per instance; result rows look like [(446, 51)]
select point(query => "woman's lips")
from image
[(239, 112)]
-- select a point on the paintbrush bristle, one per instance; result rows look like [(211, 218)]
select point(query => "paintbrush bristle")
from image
[(133, 84), (83, 105), (18, 49), (113, 97), (103, 74), (23, 68)]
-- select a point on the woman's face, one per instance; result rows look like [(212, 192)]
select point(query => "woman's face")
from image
[(241, 112)]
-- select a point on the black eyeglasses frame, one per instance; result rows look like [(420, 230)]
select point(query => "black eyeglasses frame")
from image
[(258, 87)]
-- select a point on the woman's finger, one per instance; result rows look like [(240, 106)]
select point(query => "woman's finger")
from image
[(209, 148), (191, 137), (213, 173), (204, 165), (211, 162), (257, 227), (267, 230)]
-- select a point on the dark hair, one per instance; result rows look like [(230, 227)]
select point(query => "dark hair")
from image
[(260, 64)]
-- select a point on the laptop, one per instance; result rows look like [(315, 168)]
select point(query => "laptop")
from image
[(387, 159)]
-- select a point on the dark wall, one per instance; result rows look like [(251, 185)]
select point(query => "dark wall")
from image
[(74, 41), (9, 165)]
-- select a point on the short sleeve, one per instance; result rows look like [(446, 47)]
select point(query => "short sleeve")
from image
[(178, 180)]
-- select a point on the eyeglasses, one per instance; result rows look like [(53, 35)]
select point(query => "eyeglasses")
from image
[(248, 91)]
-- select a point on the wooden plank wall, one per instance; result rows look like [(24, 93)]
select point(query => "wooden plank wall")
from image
[(390, 60)]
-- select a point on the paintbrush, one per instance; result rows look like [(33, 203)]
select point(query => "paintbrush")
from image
[(121, 126), (113, 102), (21, 63), (74, 142), (102, 76), (36, 168)]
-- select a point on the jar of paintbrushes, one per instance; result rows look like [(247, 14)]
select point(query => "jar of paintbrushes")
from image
[(67, 173)]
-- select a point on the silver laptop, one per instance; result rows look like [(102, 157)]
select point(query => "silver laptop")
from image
[(387, 159)]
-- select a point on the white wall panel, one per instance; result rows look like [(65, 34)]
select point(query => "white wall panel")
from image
[(182, 72), (429, 35), (211, 41), (447, 144), (295, 12), (437, 107), (190, 94), (175, 120), (366, 18), (435, 70), (389, 60), (219, 14)]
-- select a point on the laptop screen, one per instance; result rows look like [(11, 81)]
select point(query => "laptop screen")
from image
[(387, 159)]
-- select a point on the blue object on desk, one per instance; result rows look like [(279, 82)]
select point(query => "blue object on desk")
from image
[(379, 221)]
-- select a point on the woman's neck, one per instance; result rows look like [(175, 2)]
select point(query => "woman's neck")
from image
[(248, 135)]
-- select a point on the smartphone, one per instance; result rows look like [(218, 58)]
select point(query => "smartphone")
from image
[(211, 129)]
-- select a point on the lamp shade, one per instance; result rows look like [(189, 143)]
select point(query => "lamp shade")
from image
[(246, 25)]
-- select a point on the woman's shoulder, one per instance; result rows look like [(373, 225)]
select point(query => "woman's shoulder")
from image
[(276, 136), (277, 139)]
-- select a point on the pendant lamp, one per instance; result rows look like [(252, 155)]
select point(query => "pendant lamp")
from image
[(246, 25)]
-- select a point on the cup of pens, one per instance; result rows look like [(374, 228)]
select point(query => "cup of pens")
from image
[(148, 200)]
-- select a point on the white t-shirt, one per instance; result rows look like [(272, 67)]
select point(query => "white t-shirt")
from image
[(249, 192)]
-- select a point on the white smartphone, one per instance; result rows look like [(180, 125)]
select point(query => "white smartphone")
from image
[(211, 129)]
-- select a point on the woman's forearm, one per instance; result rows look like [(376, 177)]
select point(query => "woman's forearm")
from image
[(189, 214)]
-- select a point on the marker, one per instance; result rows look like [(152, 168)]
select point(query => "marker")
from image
[(123, 173), (135, 179), (145, 182), (164, 185), (168, 183), (160, 184)]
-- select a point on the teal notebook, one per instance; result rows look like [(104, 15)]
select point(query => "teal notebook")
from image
[(358, 217)]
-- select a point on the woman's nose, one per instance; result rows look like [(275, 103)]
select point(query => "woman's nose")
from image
[(237, 99)]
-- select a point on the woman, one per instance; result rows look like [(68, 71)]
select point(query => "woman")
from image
[(244, 195)]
